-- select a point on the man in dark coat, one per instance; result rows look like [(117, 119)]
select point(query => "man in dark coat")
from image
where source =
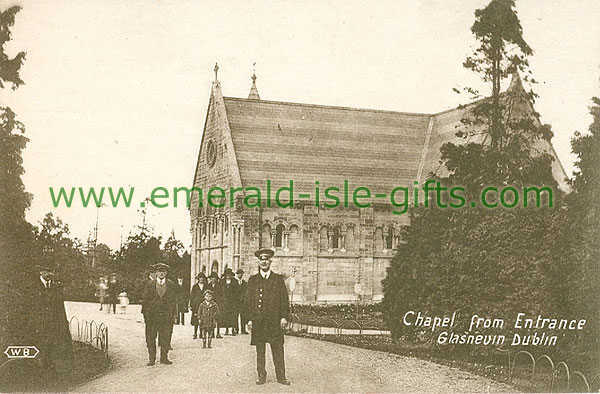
[(51, 327), (159, 301), (113, 293), (182, 300), (267, 308), (239, 274)]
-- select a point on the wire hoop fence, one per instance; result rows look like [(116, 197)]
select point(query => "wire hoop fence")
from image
[(90, 332), (560, 379), (329, 325)]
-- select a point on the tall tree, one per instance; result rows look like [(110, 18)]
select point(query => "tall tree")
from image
[(502, 51), (15, 232), (12, 142), (475, 259), (579, 257)]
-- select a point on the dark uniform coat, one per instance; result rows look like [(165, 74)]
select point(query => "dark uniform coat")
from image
[(266, 303)]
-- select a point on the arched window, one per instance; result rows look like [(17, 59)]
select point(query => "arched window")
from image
[(226, 224), (266, 236), (378, 239), (336, 238), (214, 267), (349, 244), (390, 238), (323, 241), (294, 241), (279, 236)]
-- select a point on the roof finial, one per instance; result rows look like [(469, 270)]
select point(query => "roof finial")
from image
[(216, 71), (253, 90)]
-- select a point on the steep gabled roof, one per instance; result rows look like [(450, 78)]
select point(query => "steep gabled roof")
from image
[(307, 143)]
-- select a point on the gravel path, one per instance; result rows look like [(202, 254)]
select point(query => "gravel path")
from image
[(229, 367)]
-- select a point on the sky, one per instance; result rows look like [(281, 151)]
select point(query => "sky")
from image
[(116, 92)]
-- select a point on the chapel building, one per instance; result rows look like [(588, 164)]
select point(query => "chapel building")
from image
[(334, 255)]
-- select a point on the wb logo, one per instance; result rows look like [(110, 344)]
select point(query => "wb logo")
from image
[(21, 352)]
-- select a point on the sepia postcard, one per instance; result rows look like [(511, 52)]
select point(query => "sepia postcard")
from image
[(299, 196)]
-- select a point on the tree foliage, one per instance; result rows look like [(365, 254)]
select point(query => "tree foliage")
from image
[(16, 235), (9, 67), (578, 224), (490, 262)]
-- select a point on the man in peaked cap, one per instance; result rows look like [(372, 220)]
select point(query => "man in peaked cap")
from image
[(267, 308), (159, 300)]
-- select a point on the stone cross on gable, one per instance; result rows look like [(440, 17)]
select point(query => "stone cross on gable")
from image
[(216, 70)]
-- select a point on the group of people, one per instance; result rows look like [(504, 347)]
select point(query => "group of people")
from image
[(108, 292), (261, 305), (228, 294)]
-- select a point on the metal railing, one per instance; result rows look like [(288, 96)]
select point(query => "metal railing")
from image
[(319, 325), (91, 333), (558, 371)]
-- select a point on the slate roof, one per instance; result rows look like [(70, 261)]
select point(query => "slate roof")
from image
[(307, 143)]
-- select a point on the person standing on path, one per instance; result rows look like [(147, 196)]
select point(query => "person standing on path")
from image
[(49, 323), (196, 298), (267, 308), (208, 313), (213, 285), (113, 293), (239, 274), (229, 302), (182, 300), (159, 301)]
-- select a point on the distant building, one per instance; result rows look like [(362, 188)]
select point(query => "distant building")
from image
[(336, 255)]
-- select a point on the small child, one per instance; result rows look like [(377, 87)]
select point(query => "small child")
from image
[(208, 313), (123, 301)]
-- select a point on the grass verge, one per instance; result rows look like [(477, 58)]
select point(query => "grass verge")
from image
[(31, 376)]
